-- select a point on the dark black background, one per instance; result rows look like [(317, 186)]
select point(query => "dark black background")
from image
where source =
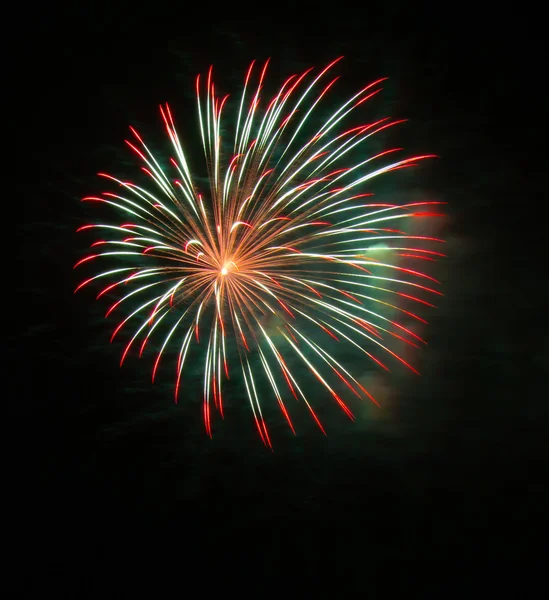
[(456, 473)]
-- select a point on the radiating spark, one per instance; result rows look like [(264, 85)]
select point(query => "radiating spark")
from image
[(286, 231)]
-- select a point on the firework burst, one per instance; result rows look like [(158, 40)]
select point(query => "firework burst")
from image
[(278, 262)]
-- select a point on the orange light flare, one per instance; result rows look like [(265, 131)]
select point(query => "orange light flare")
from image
[(228, 268)]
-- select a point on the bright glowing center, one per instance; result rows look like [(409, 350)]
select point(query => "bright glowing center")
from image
[(228, 267)]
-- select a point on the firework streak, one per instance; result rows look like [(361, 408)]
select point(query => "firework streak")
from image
[(283, 263)]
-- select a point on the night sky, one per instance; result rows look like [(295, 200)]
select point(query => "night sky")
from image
[(452, 469)]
